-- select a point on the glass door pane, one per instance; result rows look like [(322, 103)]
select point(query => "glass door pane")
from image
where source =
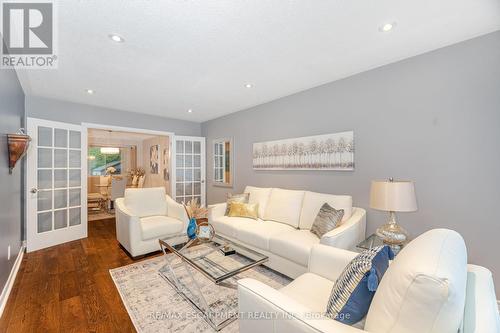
[(190, 169), (56, 175)]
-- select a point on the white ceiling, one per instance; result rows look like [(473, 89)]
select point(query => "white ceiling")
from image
[(199, 54)]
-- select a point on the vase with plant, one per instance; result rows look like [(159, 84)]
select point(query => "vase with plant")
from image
[(135, 174), (138, 172), (194, 211)]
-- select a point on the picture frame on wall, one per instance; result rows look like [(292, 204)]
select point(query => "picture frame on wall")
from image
[(154, 159), (320, 152)]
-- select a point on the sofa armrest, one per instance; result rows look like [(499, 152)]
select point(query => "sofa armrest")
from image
[(348, 234), (264, 309), (128, 230), (177, 211), (481, 310), (217, 210), (329, 262)]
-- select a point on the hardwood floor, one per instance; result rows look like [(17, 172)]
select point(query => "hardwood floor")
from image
[(68, 288)]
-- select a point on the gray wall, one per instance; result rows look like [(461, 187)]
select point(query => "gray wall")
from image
[(434, 119), (11, 215), (68, 112)]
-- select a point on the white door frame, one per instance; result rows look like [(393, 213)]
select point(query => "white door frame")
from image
[(61, 235), (171, 136), (203, 165)]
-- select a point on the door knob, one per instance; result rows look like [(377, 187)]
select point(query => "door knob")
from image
[(34, 190)]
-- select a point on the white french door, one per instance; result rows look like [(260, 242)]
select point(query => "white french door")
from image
[(56, 189), (189, 169)]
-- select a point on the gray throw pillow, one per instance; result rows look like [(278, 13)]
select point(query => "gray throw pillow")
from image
[(327, 219), (241, 198)]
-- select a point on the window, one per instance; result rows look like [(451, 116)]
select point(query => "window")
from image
[(99, 160), (219, 162)]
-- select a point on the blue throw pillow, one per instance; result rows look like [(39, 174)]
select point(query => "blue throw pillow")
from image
[(353, 291)]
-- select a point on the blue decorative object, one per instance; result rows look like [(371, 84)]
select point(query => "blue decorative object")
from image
[(359, 280), (191, 229)]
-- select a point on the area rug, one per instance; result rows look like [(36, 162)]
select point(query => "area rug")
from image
[(155, 306)]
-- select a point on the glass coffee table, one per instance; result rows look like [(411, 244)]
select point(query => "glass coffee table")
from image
[(194, 261)]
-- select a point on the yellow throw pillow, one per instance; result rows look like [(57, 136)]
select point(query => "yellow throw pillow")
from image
[(236, 198), (240, 209)]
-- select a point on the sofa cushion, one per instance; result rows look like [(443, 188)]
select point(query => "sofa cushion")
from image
[(259, 233), (159, 226), (312, 204), (284, 206), (144, 202), (228, 226), (260, 196), (310, 290), (294, 245), (428, 278)]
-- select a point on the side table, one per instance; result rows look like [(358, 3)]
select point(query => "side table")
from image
[(374, 240)]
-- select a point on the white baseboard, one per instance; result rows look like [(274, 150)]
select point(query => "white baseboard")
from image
[(12, 278)]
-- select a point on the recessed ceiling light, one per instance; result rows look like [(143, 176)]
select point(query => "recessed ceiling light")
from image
[(89, 91), (248, 85), (190, 111), (387, 27), (116, 38)]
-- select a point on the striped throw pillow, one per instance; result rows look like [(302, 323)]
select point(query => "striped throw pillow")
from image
[(353, 291), (327, 219)]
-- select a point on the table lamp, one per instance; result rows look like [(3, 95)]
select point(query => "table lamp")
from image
[(393, 196)]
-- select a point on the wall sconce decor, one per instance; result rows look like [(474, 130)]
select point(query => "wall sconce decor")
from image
[(18, 146)]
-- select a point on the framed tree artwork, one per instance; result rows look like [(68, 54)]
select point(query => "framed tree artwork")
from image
[(321, 152)]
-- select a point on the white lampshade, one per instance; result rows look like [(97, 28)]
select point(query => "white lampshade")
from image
[(393, 196)]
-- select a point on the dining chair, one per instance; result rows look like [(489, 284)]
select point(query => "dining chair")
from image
[(140, 183), (135, 179), (104, 183), (118, 186)]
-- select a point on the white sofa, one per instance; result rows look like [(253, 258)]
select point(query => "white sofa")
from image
[(428, 288), (145, 215), (282, 230)]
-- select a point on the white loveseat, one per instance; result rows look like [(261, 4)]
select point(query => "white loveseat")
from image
[(282, 231), (428, 288), (144, 215)]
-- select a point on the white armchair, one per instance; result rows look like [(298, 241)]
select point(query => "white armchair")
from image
[(428, 288), (145, 215)]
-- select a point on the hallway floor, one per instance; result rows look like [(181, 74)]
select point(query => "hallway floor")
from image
[(68, 288)]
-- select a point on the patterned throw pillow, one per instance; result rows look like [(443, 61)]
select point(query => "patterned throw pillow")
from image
[(327, 219), (353, 291), (244, 197), (239, 209)]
